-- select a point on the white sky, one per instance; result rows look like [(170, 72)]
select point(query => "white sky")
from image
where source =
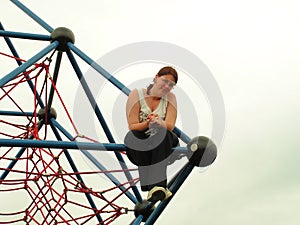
[(253, 51)]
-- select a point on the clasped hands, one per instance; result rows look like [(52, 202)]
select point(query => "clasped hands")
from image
[(153, 120)]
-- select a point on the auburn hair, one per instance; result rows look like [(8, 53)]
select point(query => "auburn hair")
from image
[(167, 70)]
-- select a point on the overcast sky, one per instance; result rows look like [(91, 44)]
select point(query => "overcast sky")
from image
[(252, 48)]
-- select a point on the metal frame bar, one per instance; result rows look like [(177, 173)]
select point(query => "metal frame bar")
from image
[(99, 69), (11, 46), (137, 221), (32, 15), (90, 97), (28, 63), (70, 145), (173, 186), (55, 76), (13, 34), (14, 113), (19, 62), (100, 117), (60, 144)]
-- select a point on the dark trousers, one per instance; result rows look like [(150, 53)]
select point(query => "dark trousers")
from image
[(150, 153)]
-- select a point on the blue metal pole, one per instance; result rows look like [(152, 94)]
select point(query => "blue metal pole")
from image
[(32, 15), (110, 146), (61, 144), (138, 220), (90, 96), (11, 46), (176, 184), (61, 129), (72, 164), (99, 69), (184, 137), (101, 119), (55, 76), (23, 67), (12, 113), (28, 63), (15, 54), (95, 162), (69, 145), (13, 34)]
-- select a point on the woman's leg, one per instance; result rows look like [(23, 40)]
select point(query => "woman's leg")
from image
[(136, 142), (164, 140), (151, 154)]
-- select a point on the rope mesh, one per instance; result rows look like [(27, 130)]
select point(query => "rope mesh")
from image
[(48, 189)]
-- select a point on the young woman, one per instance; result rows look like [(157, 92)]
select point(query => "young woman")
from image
[(151, 116)]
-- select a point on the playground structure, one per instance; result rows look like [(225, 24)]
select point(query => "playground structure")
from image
[(43, 168)]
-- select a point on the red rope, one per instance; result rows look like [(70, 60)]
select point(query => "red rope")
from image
[(49, 186), (10, 56)]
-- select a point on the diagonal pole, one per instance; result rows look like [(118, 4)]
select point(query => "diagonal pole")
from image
[(99, 69), (19, 62), (101, 119), (32, 15), (173, 185), (27, 64), (55, 76), (11, 46)]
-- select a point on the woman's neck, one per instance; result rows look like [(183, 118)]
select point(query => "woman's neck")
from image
[(153, 95)]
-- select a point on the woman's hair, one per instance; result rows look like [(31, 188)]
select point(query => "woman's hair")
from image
[(167, 70)]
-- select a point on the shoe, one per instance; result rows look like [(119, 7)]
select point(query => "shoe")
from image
[(158, 194), (168, 194)]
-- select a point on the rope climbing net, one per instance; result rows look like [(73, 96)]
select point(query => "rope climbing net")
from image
[(47, 188)]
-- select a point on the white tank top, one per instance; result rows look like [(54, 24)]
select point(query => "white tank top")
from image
[(145, 109)]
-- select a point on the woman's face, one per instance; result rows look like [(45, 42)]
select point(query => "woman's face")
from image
[(165, 83)]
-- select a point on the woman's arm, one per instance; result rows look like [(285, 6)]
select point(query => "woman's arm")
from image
[(133, 111), (171, 114)]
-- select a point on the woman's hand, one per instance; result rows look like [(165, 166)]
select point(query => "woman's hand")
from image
[(151, 117), (155, 120)]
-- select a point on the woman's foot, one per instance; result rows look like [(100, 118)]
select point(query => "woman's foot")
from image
[(158, 194)]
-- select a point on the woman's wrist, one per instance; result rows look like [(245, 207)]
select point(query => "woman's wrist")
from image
[(146, 123)]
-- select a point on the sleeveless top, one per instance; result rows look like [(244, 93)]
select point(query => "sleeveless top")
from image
[(145, 110)]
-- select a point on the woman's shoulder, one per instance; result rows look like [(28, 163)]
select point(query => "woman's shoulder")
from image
[(137, 93), (133, 94), (171, 96), (136, 90)]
